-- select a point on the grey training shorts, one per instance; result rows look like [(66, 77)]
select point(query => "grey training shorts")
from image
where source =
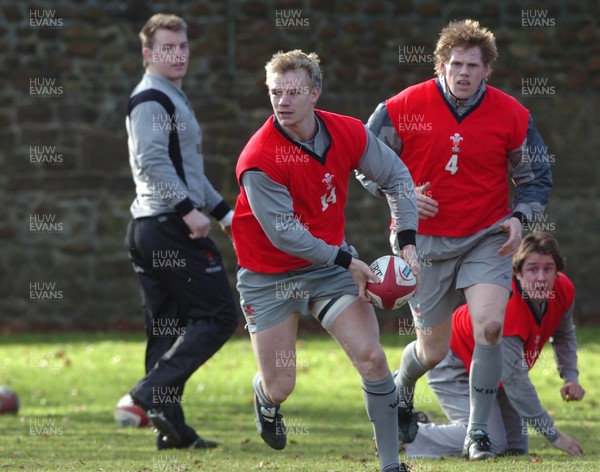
[(267, 299), (449, 265)]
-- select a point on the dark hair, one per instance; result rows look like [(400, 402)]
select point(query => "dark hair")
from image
[(539, 243)]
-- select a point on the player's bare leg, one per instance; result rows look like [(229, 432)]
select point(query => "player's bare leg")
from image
[(276, 379), (487, 303), (433, 343), (357, 331)]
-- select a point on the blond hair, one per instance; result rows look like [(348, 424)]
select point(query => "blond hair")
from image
[(465, 34), (282, 62)]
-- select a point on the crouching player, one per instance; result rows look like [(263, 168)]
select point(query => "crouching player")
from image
[(540, 309)]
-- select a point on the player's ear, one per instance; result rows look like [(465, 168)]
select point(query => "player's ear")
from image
[(147, 55), (316, 93), (442, 68), (487, 72)]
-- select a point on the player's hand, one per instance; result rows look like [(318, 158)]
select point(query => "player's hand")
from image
[(513, 227), (362, 273), (427, 207), (227, 231), (409, 254), (572, 391), (198, 223), (225, 224), (567, 444)]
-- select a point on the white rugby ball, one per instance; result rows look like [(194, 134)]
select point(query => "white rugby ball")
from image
[(397, 286), (129, 415)]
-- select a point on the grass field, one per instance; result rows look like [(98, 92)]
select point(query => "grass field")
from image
[(68, 385)]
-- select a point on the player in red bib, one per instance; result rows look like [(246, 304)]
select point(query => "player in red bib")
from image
[(540, 309), (458, 136), (288, 230)]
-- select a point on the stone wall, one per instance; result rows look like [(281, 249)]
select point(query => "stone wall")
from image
[(68, 67)]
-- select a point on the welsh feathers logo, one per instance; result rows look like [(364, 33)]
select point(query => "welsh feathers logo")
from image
[(456, 138), (328, 179), (249, 312)]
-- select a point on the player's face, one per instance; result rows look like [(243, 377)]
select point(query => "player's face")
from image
[(169, 55), (293, 102), (537, 277), (464, 71)]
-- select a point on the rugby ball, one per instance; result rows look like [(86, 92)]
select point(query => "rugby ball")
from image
[(9, 401), (397, 286), (129, 415)]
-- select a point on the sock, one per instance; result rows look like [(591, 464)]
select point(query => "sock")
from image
[(409, 372), (486, 371), (262, 398), (381, 402)]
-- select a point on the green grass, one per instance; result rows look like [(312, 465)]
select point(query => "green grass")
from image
[(68, 385)]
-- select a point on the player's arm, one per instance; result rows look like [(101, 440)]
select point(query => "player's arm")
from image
[(216, 206), (380, 125), (564, 345), (531, 174), (524, 398), (380, 165)]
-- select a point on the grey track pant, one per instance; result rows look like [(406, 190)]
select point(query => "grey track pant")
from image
[(449, 381)]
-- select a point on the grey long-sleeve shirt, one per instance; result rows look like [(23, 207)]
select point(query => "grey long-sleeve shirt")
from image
[(158, 186), (515, 374), (269, 200)]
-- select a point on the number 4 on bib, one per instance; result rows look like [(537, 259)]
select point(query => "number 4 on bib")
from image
[(452, 165)]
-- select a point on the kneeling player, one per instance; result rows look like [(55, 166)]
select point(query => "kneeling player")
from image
[(540, 308)]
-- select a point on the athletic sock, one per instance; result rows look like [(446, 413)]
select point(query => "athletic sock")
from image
[(409, 372), (486, 371), (258, 390), (381, 402)]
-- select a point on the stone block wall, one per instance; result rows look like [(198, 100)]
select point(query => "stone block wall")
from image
[(67, 68)]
